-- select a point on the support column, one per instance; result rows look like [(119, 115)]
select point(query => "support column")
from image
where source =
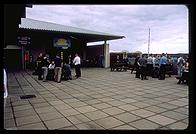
[(23, 61), (106, 55)]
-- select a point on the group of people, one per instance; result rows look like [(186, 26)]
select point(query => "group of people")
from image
[(54, 69), (147, 66)]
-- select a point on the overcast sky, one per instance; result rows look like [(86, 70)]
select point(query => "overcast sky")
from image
[(168, 24)]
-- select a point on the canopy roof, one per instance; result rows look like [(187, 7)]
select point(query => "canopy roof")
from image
[(73, 32)]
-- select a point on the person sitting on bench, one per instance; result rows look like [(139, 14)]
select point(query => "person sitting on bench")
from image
[(67, 72), (51, 67)]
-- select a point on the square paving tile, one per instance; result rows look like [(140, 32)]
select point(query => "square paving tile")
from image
[(69, 112), (9, 123), (34, 101), (85, 109), (60, 107), (27, 120), (44, 92), (186, 121), (163, 99), (144, 124), (178, 103), (19, 103), (76, 119), (77, 104), (113, 111), (109, 122), (8, 115), (43, 104), (142, 113), (174, 115), (101, 105), (88, 126), (139, 98), (141, 104), (115, 103), (50, 116), (69, 100), (128, 100), (8, 110), (178, 126), (45, 109), (127, 117), (155, 109), (182, 110), (167, 106), (34, 126), (96, 115), (106, 99), (51, 98), (152, 102), (22, 107), (56, 102), (128, 107), (93, 101), (162, 120), (57, 123), (69, 128), (163, 128), (22, 113), (124, 127)]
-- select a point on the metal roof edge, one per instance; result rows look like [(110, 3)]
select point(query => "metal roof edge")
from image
[(86, 30)]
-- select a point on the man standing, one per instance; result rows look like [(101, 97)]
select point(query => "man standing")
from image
[(39, 66), (58, 68), (45, 64), (77, 63), (162, 64), (150, 65), (142, 62), (180, 64)]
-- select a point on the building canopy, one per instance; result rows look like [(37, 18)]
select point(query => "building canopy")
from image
[(72, 32)]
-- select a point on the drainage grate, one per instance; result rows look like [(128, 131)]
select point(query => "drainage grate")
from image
[(27, 96)]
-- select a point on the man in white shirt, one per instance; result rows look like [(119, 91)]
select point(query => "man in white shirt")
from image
[(77, 63), (150, 65), (5, 86)]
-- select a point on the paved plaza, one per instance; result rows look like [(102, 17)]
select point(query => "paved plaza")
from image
[(100, 99)]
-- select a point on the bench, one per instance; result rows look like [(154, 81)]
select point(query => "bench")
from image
[(119, 67)]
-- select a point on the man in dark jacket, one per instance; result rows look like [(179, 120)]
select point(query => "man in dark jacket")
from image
[(162, 64), (39, 66), (142, 63), (67, 72)]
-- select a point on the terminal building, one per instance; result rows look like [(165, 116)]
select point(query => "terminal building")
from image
[(25, 38)]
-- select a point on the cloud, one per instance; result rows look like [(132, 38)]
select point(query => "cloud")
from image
[(168, 24)]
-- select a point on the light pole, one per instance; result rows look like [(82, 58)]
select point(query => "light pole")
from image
[(148, 42)]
